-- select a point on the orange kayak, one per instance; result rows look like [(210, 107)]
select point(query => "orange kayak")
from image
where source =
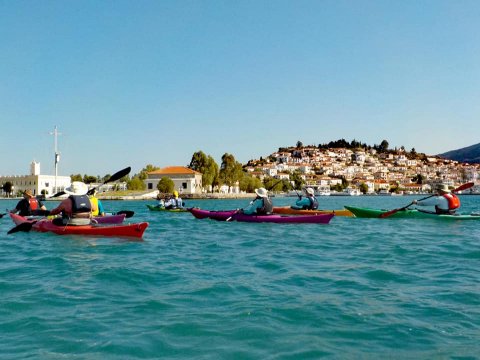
[(287, 210)]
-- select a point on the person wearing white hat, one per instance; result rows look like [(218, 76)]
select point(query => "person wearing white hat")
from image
[(77, 208), (445, 202), (262, 205), (309, 202)]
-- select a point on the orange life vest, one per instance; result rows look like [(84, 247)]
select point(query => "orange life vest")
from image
[(33, 203), (453, 201)]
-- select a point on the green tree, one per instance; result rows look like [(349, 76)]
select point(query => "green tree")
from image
[(142, 175), (418, 179), (299, 144), (230, 170), (383, 146), (7, 188), (205, 165), (136, 184), (297, 180), (165, 185), (363, 188), (76, 177), (88, 179), (249, 183)]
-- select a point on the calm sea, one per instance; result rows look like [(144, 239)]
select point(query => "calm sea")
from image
[(200, 289)]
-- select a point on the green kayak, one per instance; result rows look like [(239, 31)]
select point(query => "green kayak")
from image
[(408, 213), (161, 208)]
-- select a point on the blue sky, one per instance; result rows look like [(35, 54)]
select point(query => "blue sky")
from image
[(130, 83)]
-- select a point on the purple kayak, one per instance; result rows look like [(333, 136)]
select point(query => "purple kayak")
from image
[(234, 215), (107, 219)]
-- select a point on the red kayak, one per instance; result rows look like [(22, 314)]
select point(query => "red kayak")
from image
[(234, 215), (45, 225)]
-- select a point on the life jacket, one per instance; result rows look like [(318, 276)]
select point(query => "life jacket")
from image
[(178, 202), (80, 205), (453, 203), (33, 204), (94, 203), (313, 203), (267, 207)]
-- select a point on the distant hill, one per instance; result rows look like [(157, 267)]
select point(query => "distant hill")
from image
[(470, 154)]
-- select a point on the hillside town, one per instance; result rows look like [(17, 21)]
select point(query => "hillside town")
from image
[(328, 170), (389, 172)]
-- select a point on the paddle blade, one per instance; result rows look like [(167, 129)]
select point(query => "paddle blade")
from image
[(388, 213), (119, 174), (464, 187), (128, 213), (394, 211), (25, 227), (60, 193)]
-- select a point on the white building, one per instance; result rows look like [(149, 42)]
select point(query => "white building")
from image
[(37, 183), (187, 181)]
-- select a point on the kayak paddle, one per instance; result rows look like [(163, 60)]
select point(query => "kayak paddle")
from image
[(391, 212), (118, 175), (128, 213), (25, 227)]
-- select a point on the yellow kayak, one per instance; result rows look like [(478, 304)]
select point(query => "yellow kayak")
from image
[(287, 210)]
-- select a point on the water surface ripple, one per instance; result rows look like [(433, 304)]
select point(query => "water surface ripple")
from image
[(356, 288)]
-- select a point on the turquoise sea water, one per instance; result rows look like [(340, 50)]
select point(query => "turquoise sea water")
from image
[(201, 289)]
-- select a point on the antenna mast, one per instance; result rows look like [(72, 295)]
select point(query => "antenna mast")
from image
[(55, 134)]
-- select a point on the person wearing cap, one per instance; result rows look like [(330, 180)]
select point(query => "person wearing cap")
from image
[(97, 206), (445, 202), (77, 208), (309, 202), (262, 205), (174, 202), (29, 205)]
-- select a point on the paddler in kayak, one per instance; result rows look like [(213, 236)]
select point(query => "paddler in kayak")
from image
[(97, 206), (29, 205), (309, 202), (445, 202), (262, 205), (174, 202), (77, 208)]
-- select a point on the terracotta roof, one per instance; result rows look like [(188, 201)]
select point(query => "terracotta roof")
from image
[(170, 170)]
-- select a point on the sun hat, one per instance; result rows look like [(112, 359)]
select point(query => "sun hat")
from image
[(28, 192), (77, 188), (262, 192), (444, 188), (310, 191)]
